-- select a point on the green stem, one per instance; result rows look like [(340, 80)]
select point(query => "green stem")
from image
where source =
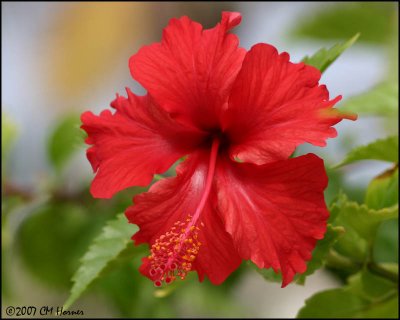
[(337, 261), (380, 271)]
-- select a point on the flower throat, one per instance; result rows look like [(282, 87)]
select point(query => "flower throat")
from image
[(173, 253)]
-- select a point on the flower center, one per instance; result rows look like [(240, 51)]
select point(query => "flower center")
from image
[(173, 253)]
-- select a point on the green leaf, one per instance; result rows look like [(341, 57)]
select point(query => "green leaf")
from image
[(64, 141), (380, 295), (381, 100), (332, 303), (392, 268), (321, 250), (388, 308), (360, 224), (374, 286), (343, 303), (363, 220), (383, 191), (323, 58), (386, 244), (382, 149), (115, 237), (341, 21), (268, 274), (351, 243)]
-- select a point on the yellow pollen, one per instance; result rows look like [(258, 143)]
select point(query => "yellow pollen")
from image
[(172, 253)]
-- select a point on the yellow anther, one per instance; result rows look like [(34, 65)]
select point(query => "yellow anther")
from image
[(173, 252)]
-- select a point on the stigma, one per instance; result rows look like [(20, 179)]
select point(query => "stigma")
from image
[(172, 254)]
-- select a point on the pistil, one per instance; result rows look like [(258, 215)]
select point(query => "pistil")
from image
[(173, 253)]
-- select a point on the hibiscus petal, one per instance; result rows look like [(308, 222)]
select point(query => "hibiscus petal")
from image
[(173, 199), (274, 212), (276, 105), (191, 71), (134, 143)]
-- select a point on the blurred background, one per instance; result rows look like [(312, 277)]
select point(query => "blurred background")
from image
[(60, 59)]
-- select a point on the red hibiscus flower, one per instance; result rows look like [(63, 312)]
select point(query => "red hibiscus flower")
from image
[(237, 116)]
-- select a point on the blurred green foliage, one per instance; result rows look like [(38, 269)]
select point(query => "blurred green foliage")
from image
[(382, 100), (340, 21), (60, 234), (64, 140), (8, 135)]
